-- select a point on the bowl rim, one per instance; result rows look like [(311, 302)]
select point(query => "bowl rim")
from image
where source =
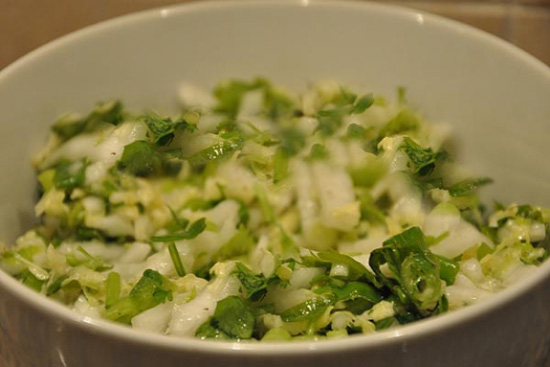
[(400, 334)]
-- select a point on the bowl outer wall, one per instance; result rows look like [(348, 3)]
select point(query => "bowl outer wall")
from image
[(510, 334), (488, 87)]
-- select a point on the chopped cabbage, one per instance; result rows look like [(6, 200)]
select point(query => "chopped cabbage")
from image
[(259, 214)]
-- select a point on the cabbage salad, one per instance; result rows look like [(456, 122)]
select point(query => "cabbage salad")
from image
[(257, 214)]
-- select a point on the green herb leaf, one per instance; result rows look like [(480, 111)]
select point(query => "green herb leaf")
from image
[(356, 269), (468, 186), (386, 323), (151, 290), (55, 285), (404, 121), (30, 280), (330, 120), (197, 204), (309, 310), (70, 126), (83, 257), (423, 159), (254, 284), (330, 258), (318, 151), (234, 317), (216, 152), (448, 269), (84, 233), (163, 128), (193, 231), (209, 331), (355, 290), (292, 141), (140, 159), (69, 175), (410, 240), (230, 93), (276, 104), (356, 131), (362, 104)]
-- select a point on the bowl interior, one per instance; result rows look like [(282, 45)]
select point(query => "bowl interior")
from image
[(494, 95)]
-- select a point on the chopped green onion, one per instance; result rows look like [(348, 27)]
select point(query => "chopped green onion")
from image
[(112, 289)]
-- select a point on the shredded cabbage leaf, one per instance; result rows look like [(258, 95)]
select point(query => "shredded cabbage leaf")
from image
[(259, 214)]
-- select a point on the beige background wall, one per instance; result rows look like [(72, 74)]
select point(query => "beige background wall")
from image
[(27, 24)]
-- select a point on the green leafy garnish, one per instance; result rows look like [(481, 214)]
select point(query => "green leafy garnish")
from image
[(292, 141), (140, 159), (448, 269), (255, 285), (151, 290), (404, 121), (356, 270), (163, 129), (330, 121), (84, 233), (196, 228), (423, 159), (208, 331), (31, 281), (248, 161), (362, 104), (356, 131), (230, 93), (468, 186), (232, 317), (318, 151), (415, 272), (308, 310), (215, 152), (70, 126), (83, 257), (355, 290), (69, 175)]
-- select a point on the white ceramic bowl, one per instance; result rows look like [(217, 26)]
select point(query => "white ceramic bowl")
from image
[(495, 96)]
